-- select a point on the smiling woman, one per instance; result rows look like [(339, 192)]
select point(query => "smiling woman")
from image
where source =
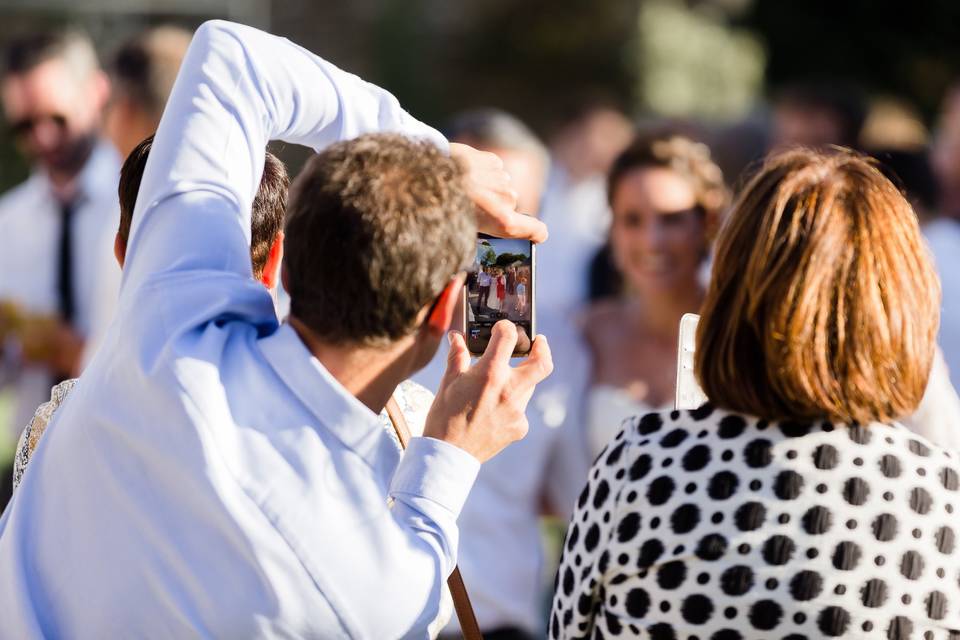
[(666, 195)]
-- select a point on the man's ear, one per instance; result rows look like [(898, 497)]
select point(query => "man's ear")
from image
[(438, 322), (271, 270), (100, 88), (119, 249)]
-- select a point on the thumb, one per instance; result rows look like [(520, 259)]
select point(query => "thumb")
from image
[(458, 358)]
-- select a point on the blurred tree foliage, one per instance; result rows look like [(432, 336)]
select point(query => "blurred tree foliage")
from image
[(908, 49), (693, 64), (538, 58)]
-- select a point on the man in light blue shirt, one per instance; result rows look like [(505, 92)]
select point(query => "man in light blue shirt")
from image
[(213, 474)]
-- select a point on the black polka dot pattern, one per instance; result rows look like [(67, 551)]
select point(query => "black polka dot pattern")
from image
[(707, 525)]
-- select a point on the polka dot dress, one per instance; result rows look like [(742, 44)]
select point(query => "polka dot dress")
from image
[(708, 525)]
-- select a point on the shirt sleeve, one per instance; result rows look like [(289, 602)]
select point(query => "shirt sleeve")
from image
[(428, 492), (238, 88)]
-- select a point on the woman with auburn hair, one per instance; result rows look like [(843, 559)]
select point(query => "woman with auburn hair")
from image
[(792, 505)]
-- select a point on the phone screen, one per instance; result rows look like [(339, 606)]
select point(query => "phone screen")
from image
[(500, 285)]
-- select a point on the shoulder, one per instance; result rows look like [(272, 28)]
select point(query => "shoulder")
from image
[(30, 437), (414, 400)]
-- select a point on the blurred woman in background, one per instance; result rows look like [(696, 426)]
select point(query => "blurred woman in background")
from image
[(666, 195)]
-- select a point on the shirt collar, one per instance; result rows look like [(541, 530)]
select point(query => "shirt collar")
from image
[(351, 421)]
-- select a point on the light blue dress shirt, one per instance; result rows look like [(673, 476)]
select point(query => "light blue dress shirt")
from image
[(207, 477)]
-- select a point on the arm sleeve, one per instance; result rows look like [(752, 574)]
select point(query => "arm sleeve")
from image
[(578, 586), (238, 88)]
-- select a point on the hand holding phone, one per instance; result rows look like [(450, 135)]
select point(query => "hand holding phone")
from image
[(490, 188), (481, 408)]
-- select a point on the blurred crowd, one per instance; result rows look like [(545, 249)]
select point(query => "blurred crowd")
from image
[(632, 206)]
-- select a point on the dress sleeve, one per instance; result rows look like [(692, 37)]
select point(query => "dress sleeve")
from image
[(578, 592)]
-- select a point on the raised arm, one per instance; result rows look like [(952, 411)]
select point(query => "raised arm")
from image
[(239, 88)]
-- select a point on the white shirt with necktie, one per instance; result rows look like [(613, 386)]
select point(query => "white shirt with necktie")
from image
[(207, 476), (30, 227)]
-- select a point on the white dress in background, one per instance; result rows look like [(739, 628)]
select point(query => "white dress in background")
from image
[(607, 407), (943, 236)]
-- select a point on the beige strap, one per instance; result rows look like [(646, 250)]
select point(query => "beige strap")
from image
[(461, 599)]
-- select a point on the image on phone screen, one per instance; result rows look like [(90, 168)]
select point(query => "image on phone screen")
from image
[(500, 286)]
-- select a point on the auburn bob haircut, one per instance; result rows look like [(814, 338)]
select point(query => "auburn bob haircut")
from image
[(824, 302)]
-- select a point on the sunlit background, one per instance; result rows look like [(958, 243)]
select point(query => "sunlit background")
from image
[(713, 61)]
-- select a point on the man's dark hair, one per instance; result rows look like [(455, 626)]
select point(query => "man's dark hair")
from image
[(269, 205), (376, 227), (145, 67), (845, 102), (29, 51)]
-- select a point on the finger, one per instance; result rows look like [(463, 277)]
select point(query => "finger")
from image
[(506, 223), (458, 358), (537, 366), (503, 340)]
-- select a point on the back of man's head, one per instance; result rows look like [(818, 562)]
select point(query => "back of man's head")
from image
[(143, 70), (145, 67), (819, 114), (376, 228), (71, 46), (267, 212)]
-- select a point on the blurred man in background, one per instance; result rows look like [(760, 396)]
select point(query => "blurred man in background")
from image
[(575, 201), (817, 115), (142, 73), (56, 226), (501, 548)]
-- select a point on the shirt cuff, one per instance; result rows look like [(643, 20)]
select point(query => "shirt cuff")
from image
[(438, 471)]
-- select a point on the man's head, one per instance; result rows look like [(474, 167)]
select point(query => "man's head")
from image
[(591, 134), (817, 115), (143, 71), (53, 96), (377, 229), (524, 156), (266, 220)]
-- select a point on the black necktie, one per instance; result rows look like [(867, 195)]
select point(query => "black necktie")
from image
[(65, 262)]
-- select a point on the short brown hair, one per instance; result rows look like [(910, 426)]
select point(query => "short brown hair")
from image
[(824, 302), (145, 67), (71, 45), (688, 158), (267, 212), (377, 226)]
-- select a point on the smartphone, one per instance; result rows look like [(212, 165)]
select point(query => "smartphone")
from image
[(501, 284), (689, 393)]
